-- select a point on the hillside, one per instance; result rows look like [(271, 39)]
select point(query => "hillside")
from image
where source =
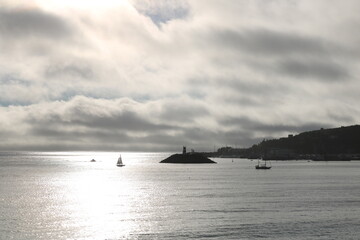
[(325, 144)]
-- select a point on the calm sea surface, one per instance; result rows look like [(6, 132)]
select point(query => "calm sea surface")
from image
[(65, 196)]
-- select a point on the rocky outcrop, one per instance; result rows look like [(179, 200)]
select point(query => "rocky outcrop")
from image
[(192, 158)]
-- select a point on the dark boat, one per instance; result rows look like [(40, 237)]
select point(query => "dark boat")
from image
[(119, 162), (262, 165)]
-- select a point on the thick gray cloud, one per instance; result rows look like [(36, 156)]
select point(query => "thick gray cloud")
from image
[(267, 42), (150, 76), (86, 122), (72, 70), (23, 23), (286, 53), (179, 112), (326, 71), (254, 125)]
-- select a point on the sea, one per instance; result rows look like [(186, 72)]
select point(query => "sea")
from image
[(62, 195)]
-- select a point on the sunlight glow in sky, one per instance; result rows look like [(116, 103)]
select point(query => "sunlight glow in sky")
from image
[(83, 4)]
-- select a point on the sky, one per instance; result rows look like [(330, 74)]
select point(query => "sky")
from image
[(154, 75)]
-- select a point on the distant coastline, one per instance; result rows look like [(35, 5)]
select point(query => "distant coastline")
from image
[(335, 144)]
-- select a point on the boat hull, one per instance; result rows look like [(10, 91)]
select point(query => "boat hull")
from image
[(262, 167), (120, 165)]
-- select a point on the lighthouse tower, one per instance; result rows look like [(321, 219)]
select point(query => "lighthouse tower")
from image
[(184, 150)]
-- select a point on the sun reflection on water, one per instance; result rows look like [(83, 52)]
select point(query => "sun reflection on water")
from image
[(103, 203), (97, 200)]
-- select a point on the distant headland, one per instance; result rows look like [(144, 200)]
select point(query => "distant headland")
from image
[(188, 158), (337, 144)]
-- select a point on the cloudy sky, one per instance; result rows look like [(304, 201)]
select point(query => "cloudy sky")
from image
[(153, 75)]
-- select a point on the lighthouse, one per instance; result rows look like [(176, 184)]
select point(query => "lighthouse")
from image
[(184, 150)]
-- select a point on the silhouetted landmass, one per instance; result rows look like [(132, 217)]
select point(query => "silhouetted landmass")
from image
[(325, 144), (187, 158)]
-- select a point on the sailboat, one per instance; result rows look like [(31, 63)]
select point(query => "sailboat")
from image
[(262, 165), (119, 162)]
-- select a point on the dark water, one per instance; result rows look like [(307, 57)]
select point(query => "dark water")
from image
[(64, 196)]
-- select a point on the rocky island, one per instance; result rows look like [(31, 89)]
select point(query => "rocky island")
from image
[(187, 158)]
